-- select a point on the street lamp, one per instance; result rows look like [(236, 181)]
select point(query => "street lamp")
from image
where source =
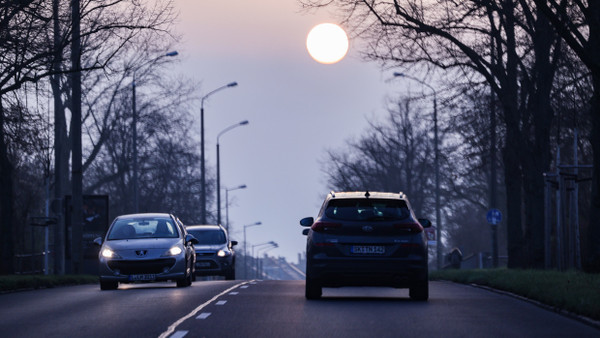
[(243, 186), (245, 251), (202, 162), (271, 243), (136, 203), (436, 165), (260, 261), (242, 123)]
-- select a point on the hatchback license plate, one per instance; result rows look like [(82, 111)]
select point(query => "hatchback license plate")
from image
[(145, 277), (368, 249)]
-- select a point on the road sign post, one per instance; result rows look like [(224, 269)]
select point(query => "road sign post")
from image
[(494, 217)]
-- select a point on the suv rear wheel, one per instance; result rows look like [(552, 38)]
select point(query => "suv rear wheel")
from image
[(419, 291), (313, 289)]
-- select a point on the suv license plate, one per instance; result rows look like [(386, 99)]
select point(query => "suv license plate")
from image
[(145, 277), (368, 249)]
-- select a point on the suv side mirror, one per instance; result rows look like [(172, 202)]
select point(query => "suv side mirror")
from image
[(234, 243), (307, 221), (425, 223)]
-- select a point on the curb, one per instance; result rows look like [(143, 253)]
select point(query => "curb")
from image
[(583, 319)]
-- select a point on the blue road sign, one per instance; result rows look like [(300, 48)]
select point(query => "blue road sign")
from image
[(494, 216)]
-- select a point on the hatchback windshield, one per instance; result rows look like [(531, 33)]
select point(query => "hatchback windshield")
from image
[(209, 236), (143, 228), (367, 209)]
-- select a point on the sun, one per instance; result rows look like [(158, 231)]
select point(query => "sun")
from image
[(327, 43)]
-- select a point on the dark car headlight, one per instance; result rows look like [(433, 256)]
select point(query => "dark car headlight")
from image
[(223, 253)]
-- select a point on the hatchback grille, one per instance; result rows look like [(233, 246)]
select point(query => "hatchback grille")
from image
[(204, 254), (142, 266)]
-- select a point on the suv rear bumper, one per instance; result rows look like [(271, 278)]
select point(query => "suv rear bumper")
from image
[(334, 272)]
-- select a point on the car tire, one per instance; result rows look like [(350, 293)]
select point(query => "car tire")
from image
[(184, 282), (230, 275), (108, 285), (419, 291), (313, 289)]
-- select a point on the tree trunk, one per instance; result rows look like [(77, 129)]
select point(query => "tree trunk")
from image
[(6, 204)]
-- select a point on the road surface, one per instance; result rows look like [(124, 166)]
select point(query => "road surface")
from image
[(275, 309)]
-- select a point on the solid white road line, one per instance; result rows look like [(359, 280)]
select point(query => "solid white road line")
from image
[(171, 328)]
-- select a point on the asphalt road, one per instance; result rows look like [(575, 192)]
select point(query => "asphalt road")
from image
[(275, 309)]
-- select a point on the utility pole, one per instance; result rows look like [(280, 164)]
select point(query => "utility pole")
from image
[(59, 150), (76, 165)]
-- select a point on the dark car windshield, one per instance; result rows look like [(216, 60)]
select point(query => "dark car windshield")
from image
[(209, 236), (367, 209), (143, 228)]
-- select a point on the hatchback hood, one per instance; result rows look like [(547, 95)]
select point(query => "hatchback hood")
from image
[(145, 243), (209, 247)]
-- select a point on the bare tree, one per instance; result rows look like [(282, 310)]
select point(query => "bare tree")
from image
[(504, 44), (578, 23)]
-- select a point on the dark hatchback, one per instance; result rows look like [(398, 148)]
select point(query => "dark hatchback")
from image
[(214, 251), (366, 239)]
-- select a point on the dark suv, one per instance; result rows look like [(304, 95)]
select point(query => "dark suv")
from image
[(366, 239), (214, 251)]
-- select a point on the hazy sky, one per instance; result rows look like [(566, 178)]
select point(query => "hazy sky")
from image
[(297, 109)]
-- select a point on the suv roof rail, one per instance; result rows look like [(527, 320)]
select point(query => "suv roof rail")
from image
[(332, 193)]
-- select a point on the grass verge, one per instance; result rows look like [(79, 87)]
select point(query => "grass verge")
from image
[(575, 292), (18, 282)]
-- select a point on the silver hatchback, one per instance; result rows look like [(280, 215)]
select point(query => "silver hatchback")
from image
[(145, 248)]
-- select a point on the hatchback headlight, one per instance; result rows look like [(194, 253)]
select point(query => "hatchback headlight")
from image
[(108, 253), (174, 251), (223, 253)]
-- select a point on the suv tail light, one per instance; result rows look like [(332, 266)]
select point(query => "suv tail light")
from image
[(412, 228), (324, 226)]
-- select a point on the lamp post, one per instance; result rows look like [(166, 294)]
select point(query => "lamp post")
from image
[(243, 186), (260, 262), (136, 200), (245, 251), (438, 218), (256, 259), (242, 123), (202, 163)]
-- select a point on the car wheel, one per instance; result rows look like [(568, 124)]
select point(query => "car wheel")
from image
[(184, 282), (108, 285), (313, 289), (419, 291), (230, 275)]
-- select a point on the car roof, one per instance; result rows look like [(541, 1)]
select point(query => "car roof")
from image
[(366, 194), (204, 227), (148, 215)]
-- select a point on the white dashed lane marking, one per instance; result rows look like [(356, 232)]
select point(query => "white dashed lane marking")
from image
[(179, 334), (203, 315), (233, 293), (221, 302)]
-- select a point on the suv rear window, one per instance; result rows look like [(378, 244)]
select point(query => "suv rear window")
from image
[(367, 209)]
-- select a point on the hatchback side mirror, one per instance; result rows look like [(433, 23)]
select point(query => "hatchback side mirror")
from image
[(305, 232), (307, 221), (425, 223), (98, 241), (234, 243), (190, 238)]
